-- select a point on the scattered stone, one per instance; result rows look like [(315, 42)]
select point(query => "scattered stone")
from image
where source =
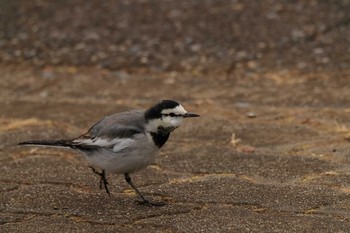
[(251, 114)]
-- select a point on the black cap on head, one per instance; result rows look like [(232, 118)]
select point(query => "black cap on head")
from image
[(156, 110)]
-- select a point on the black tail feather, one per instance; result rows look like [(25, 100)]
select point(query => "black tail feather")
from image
[(58, 143)]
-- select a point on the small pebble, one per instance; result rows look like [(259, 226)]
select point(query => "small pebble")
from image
[(251, 114)]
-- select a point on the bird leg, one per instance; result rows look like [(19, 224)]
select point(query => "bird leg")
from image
[(144, 201), (103, 179)]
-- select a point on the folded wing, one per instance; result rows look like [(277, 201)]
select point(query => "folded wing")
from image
[(115, 132)]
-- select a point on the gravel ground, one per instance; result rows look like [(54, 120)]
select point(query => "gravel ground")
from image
[(173, 35), (270, 152)]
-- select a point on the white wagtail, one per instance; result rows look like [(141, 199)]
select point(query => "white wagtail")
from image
[(125, 142)]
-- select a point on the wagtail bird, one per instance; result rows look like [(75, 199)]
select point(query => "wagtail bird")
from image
[(125, 142)]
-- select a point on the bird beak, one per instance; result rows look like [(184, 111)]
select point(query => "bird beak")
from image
[(189, 114)]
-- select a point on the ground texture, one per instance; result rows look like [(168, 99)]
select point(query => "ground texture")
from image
[(270, 153)]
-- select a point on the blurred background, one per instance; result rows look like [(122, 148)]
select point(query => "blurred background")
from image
[(169, 35), (270, 79), (240, 47)]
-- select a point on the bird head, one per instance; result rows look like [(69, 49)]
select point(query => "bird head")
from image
[(166, 116)]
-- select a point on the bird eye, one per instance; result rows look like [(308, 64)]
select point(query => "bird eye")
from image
[(170, 114)]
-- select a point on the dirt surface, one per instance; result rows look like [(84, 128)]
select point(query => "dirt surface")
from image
[(270, 79)]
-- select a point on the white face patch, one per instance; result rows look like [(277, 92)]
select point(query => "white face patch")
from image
[(167, 121), (178, 110), (171, 122)]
